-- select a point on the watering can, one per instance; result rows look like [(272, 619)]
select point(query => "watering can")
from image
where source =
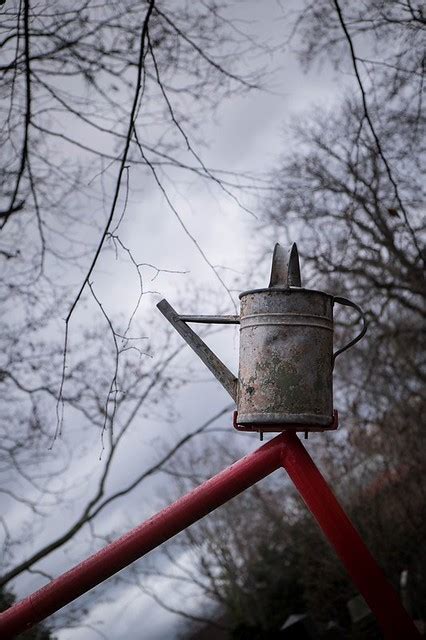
[(286, 359)]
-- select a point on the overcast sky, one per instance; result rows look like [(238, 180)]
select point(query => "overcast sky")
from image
[(246, 135)]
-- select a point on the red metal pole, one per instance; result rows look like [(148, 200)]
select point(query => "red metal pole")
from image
[(161, 527), (367, 576), (285, 450)]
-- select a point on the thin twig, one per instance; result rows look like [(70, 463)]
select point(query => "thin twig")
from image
[(371, 125), (183, 225), (189, 147), (113, 389)]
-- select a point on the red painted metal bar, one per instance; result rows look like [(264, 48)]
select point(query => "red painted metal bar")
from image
[(285, 450), (367, 576), (142, 539)]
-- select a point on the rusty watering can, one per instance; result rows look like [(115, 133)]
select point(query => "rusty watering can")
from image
[(285, 378)]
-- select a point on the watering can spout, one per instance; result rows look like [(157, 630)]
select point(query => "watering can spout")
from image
[(285, 270), (210, 359)]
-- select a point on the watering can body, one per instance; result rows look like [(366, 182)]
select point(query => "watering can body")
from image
[(286, 359)]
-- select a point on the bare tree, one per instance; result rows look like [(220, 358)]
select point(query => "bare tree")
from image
[(97, 101), (94, 98), (356, 186)]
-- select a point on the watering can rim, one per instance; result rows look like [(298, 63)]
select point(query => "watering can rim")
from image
[(286, 290)]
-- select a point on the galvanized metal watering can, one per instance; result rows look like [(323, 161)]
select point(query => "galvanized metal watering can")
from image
[(285, 378)]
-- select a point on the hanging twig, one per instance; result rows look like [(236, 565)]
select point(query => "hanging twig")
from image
[(372, 128)]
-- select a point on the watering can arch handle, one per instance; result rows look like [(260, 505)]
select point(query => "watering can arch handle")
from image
[(361, 334)]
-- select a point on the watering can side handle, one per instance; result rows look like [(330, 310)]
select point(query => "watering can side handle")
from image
[(210, 359), (349, 303)]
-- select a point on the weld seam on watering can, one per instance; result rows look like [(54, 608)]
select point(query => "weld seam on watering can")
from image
[(286, 351)]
